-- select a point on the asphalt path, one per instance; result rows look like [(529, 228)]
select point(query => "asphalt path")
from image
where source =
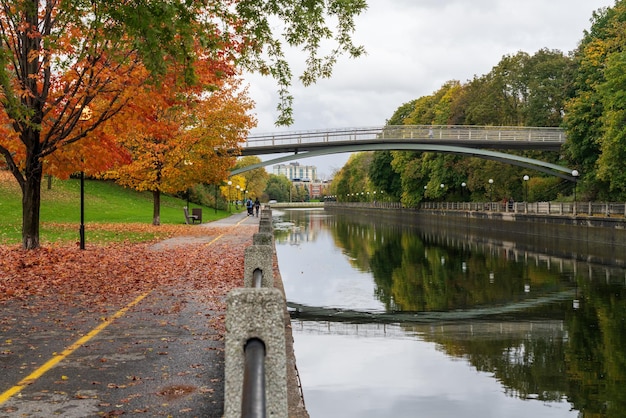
[(155, 356)]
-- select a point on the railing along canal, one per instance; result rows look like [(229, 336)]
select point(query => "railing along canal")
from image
[(538, 208), (256, 363), (605, 209)]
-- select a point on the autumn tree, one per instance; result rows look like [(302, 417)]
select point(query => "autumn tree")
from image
[(254, 181), (178, 137), (353, 178), (61, 57)]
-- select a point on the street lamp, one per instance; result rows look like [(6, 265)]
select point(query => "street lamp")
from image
[(81, 231), (490, 190), (187, 163), (463, 186), (85, 115), (525, 178), (575, 174), (230, 196), (238, 187)]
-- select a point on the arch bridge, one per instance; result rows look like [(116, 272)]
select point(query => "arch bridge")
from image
[(476, 141)]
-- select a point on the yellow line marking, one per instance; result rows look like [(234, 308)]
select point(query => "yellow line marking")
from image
[(214, 239), (69, 350)]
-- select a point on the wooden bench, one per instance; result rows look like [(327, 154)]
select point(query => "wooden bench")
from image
[(196, 215)]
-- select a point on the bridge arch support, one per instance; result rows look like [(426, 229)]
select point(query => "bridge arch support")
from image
[(530, 163)]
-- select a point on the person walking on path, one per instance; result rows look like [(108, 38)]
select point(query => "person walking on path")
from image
[(257, 206), (250, 206)]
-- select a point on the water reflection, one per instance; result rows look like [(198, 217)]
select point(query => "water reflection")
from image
[(506, 328)]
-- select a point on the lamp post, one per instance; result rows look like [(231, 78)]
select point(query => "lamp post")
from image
[(463, 186), (490, 192), (81, 231), (525, 178), (575, 174), (230, 196), (85, 115), (238, 187), (187, 163)]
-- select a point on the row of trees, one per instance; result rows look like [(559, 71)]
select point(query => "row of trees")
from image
[(582, 91), (147, 91)]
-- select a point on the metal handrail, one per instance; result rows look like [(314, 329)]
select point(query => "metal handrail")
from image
[(423, 132), (253, 397), (257, 278), (253, 403), (597, 209)]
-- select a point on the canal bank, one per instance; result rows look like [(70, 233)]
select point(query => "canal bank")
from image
[(596, 239)]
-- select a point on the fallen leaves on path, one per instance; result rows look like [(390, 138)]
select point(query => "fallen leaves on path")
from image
[(116, 272)]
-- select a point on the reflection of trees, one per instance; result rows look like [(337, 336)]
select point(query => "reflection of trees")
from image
[(414, 274), (585, 363), (596, 354)]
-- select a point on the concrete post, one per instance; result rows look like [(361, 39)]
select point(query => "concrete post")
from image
[(265, 225), (262, 238), (258, 257), (256, 313)]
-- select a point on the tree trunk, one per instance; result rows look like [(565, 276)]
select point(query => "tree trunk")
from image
[(156, 212), (31, 203)]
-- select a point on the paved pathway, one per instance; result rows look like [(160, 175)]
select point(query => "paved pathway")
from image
[(154, 357)]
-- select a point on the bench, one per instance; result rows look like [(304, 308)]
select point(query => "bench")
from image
[(196, 215)]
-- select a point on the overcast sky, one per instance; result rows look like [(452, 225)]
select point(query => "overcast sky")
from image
[(413, 47)]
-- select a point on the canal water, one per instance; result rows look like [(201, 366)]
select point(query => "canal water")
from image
[(397, 320)]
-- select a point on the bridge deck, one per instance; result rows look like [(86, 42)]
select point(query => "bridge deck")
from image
[(491, 137)]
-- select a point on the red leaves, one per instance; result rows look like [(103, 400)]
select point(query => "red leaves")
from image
[(112, 273)]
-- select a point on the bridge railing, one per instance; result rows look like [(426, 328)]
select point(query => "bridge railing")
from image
[(399, 132)]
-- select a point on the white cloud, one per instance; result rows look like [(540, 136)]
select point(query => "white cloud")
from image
[(414, 46)]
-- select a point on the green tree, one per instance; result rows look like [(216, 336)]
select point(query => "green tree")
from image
[(586, 120), (549, 77), (401, 113), (613, 148), (277, 188), (383, 177)]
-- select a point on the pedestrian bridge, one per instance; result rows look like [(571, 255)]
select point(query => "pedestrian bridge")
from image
[(476, 141), (484, 137)]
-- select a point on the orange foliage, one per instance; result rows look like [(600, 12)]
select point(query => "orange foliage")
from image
[(178, 135)]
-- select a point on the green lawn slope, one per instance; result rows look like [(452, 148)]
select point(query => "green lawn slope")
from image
[(112, 213)]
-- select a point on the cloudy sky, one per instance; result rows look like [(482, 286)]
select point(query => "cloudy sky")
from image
[(413, 47)]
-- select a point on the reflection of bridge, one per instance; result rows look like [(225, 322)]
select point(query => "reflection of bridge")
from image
[(318, 313), (478, 141), (455, 331)]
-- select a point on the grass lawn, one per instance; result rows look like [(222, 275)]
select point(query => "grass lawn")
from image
[(112, 213)]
